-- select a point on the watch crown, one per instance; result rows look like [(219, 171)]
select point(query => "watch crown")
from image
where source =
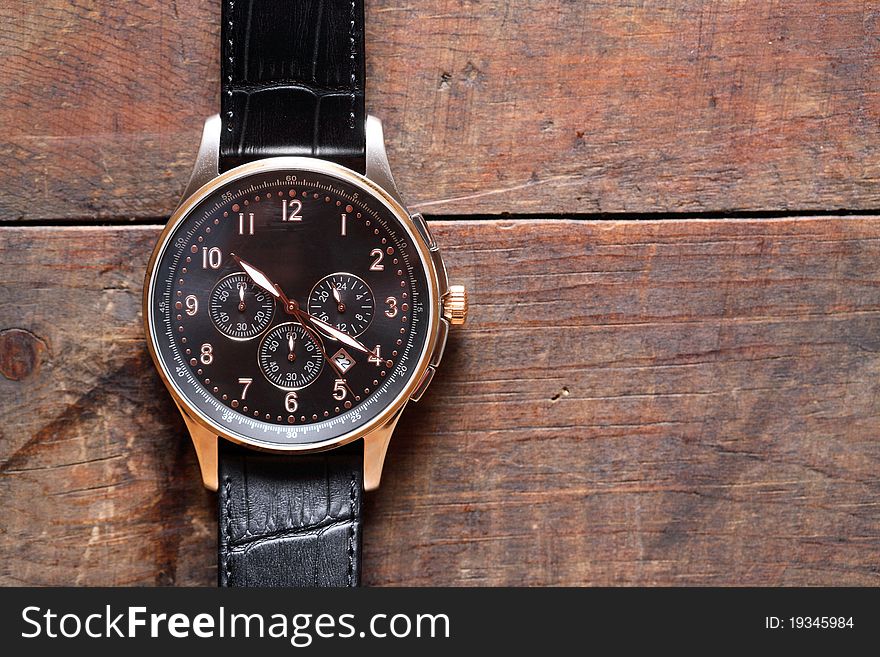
[(455, 305)]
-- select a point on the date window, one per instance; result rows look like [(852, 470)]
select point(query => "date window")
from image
[(343, 360)]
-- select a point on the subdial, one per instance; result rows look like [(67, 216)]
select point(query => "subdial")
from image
[(343, 300), (289, 357), (239, 309)]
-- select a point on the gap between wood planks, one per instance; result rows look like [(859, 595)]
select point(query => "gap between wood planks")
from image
[(599, 216)]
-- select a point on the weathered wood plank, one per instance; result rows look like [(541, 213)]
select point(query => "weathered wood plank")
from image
[(676, 402), (503, 106)]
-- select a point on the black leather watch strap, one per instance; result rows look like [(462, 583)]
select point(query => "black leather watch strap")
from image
[(292, 520), (292, 78)]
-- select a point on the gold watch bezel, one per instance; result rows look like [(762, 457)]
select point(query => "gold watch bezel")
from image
[(312, 165)]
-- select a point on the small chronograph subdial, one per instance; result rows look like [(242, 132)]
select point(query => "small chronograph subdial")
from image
[(343, 300), (239, 309), (289, 357)]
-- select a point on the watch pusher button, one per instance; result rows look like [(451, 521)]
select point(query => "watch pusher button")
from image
[(422, 227), (427, 377), (440, 343), (455, 305)]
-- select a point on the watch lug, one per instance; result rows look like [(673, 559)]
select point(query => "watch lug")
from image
[(207, 166), (375, 447), (205, 442), (378, 169)]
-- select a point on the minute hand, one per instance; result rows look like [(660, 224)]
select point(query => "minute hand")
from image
[(332, 332)]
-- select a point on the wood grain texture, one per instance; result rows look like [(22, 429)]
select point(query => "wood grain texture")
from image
[(671, 402), (501, 106)]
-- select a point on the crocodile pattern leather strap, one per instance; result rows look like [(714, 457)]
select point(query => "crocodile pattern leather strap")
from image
[(292, 521), (292, 81)]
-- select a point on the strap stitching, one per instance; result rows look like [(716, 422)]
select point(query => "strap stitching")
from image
[(230, 58), (227, 529), (351, 61), (351, 500)]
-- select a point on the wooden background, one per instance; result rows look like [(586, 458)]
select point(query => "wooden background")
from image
[(664, 212)]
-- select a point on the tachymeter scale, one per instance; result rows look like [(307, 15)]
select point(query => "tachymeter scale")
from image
[(239, 309), (298, 227), (343, 300), (289, 357)]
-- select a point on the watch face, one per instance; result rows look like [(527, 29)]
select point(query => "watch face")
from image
[(290, 307)]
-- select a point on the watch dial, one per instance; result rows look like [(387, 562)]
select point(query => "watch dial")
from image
[(289, 307)]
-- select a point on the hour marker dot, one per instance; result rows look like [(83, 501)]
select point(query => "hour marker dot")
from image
[(326, 413), (217, 222), (216, 389), (291, 419), (280, 194), (359, 215), (178, 305), (405, 295), (403, 319), (234, 403), (326, 199), (357, 397), (201, 239), (188, 259), (180, 329), (376, 231), (336, 409), (183, 340), (256, 198), (292, 192), (225, 214), (400, 272), (194, 248), (236, 207), (225, 397), (402, 283), (180, 281), (365, 223), (402, 331), (247, 202), (375, 382), (366, 391), (314, 417), (399, 342), (385, 241), (183, 270), (405, 307), (315, 195), (193, 362), (348, 208), (347, 404), (199, 371), (279, 417), (383, 372), (302, 418), (189, 351), (337, 203), (396, 261)]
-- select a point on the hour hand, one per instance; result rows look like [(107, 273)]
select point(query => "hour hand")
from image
[(257, 276)]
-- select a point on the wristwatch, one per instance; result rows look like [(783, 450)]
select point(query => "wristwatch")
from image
[(293, 307)]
